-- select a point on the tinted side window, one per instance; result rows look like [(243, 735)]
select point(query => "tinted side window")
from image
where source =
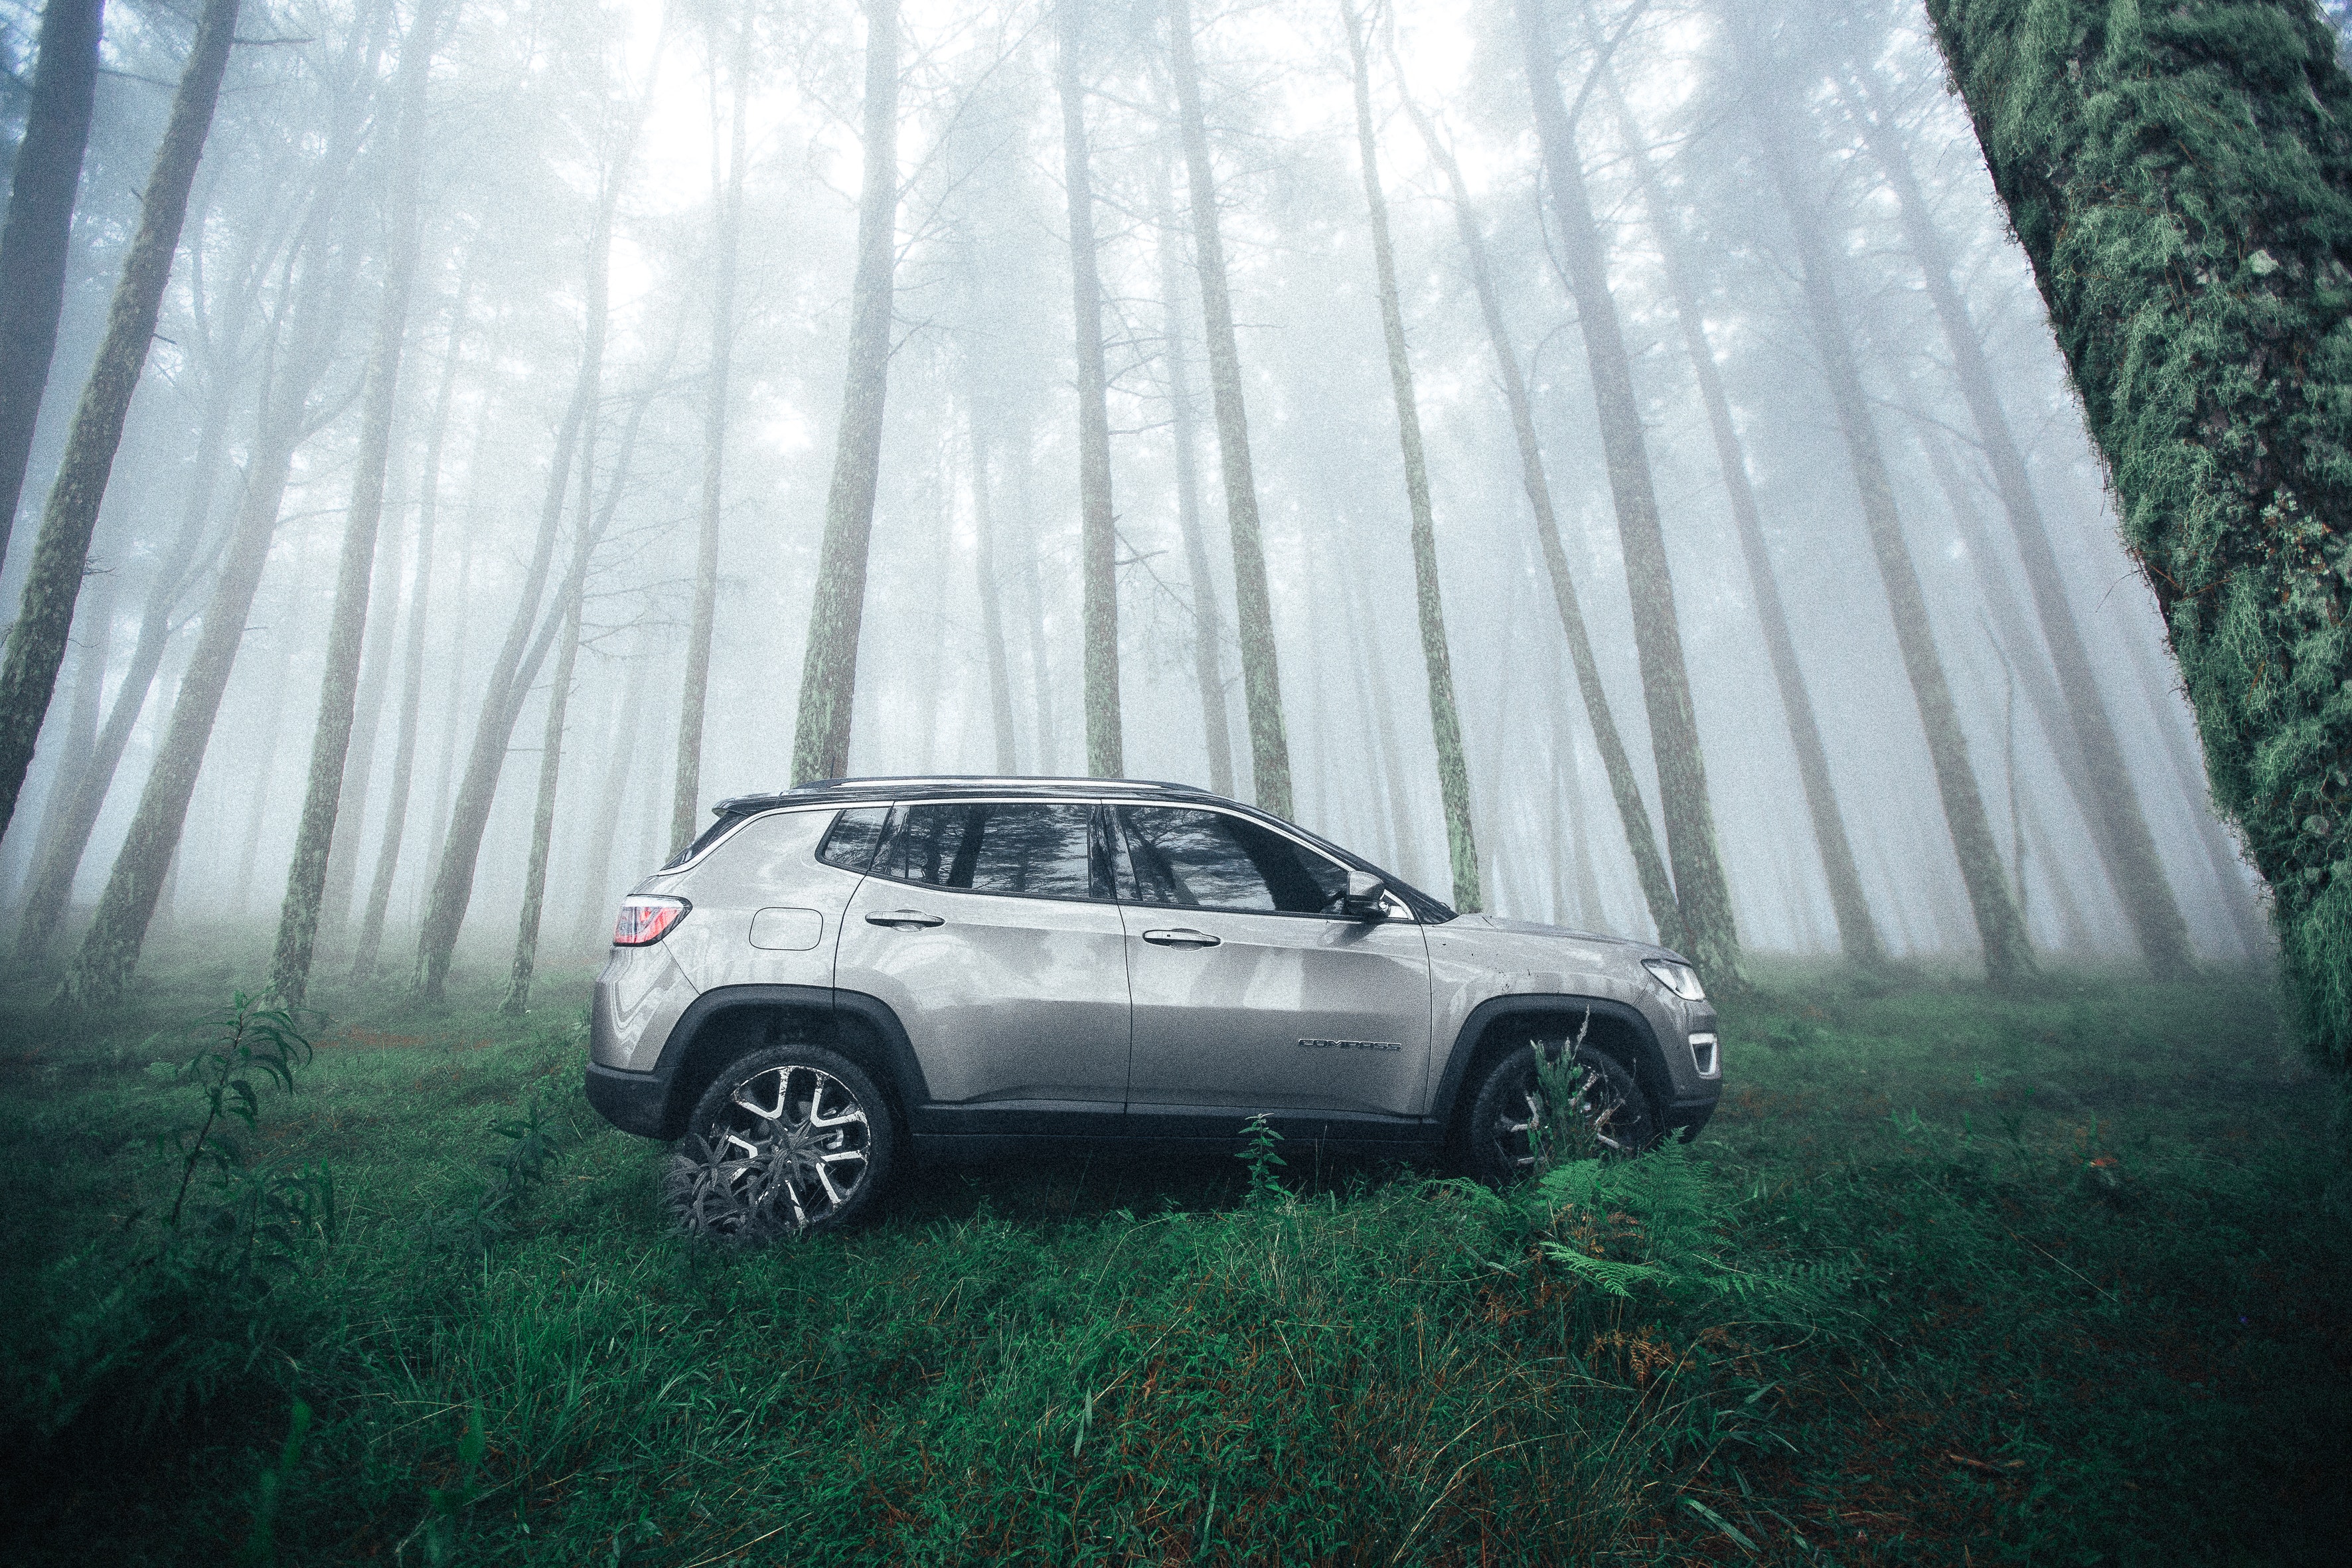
[(850, 843), (1206, 860), (992, 846)]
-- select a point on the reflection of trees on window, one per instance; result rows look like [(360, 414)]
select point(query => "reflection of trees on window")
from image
[(850, 845), (1205, 859), (991, 848)]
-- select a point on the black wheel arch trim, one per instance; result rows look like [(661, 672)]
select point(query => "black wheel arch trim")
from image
[(1649, 1067), (902, 1073)]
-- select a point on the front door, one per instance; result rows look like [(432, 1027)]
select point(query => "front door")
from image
[(1251, 991), (989, 928)]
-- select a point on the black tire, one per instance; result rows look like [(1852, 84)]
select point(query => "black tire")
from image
[(786, 1143), (1611, 1118)]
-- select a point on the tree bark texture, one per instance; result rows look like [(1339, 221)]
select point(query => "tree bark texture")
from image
[(1252, 603), (306, 879), (35, 236), (1098, 542), (1700, 894), (686, 802), (1858, 937), (37, 646), (94, 620), (1625, 788), (1445, 722), (1184, 425), (829, 672), (2119, 828), (2008, 957)]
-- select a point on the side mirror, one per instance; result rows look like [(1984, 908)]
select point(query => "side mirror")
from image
[(1366, 897)]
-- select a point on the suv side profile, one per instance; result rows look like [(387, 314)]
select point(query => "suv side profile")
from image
[(835, 977)]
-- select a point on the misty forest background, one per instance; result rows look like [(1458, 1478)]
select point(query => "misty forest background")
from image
[(1607, 462)]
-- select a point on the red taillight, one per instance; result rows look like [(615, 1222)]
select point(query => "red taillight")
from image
[(646, 919)]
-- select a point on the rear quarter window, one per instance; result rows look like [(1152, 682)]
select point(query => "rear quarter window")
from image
[(849, 843)]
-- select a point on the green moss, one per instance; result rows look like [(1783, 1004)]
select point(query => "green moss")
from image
[(2181, 177)]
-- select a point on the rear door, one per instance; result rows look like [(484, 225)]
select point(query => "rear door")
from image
[(990, 929), (1251, 992)]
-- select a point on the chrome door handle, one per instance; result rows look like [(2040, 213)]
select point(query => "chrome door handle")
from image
[(1182, 936), (902, 919)]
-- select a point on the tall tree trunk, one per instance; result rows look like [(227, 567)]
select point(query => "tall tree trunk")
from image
[(728, 197), (588, 534), (1097, 552), (50, 888), (462, 604), (519, 658), (319, 282), (518, 662), (1022, 441), (306, 879), (385, 609), (2119, 825), (1208, 620), (829, 673), (1625, 788), (2008, 957), (594, 924), (550, 744), (1445, 723), (1253, 603), (412, 683), (268, 725), (37, 646), (2166, 192), (40, 227), (95, 619), (991, 612), (1857, 931), (1700, 895)]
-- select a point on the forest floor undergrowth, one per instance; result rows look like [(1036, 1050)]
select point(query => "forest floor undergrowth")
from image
[(2054, 1276)]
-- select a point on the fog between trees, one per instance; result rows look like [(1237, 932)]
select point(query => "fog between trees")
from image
[(1609, 463)]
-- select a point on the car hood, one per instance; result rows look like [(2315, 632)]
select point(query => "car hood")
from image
[(1547, 934)]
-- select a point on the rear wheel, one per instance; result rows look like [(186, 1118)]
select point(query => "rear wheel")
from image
[(786, 1142), (1522, 1117)]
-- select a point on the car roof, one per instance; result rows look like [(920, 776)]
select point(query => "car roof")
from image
[(843, 792)]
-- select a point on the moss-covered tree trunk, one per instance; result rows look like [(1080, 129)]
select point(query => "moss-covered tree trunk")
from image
[(1252, 603), (1445, 721), (34, 241), (2119, 828), (2181, 177), (1098, 557), (1700, 892), (1625, 788), (829, 672), (37, 646)]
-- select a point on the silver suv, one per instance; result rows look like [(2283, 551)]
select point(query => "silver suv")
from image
[(835, 977)]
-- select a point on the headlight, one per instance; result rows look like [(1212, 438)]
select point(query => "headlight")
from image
[(1679, 978)]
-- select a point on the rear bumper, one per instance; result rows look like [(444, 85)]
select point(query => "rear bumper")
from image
[(632, 1101)]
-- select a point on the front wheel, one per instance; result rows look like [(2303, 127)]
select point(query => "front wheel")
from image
[(785, 1142), (1518, 1123)]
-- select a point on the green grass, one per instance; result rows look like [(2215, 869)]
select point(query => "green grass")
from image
[(2050, 1278)]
